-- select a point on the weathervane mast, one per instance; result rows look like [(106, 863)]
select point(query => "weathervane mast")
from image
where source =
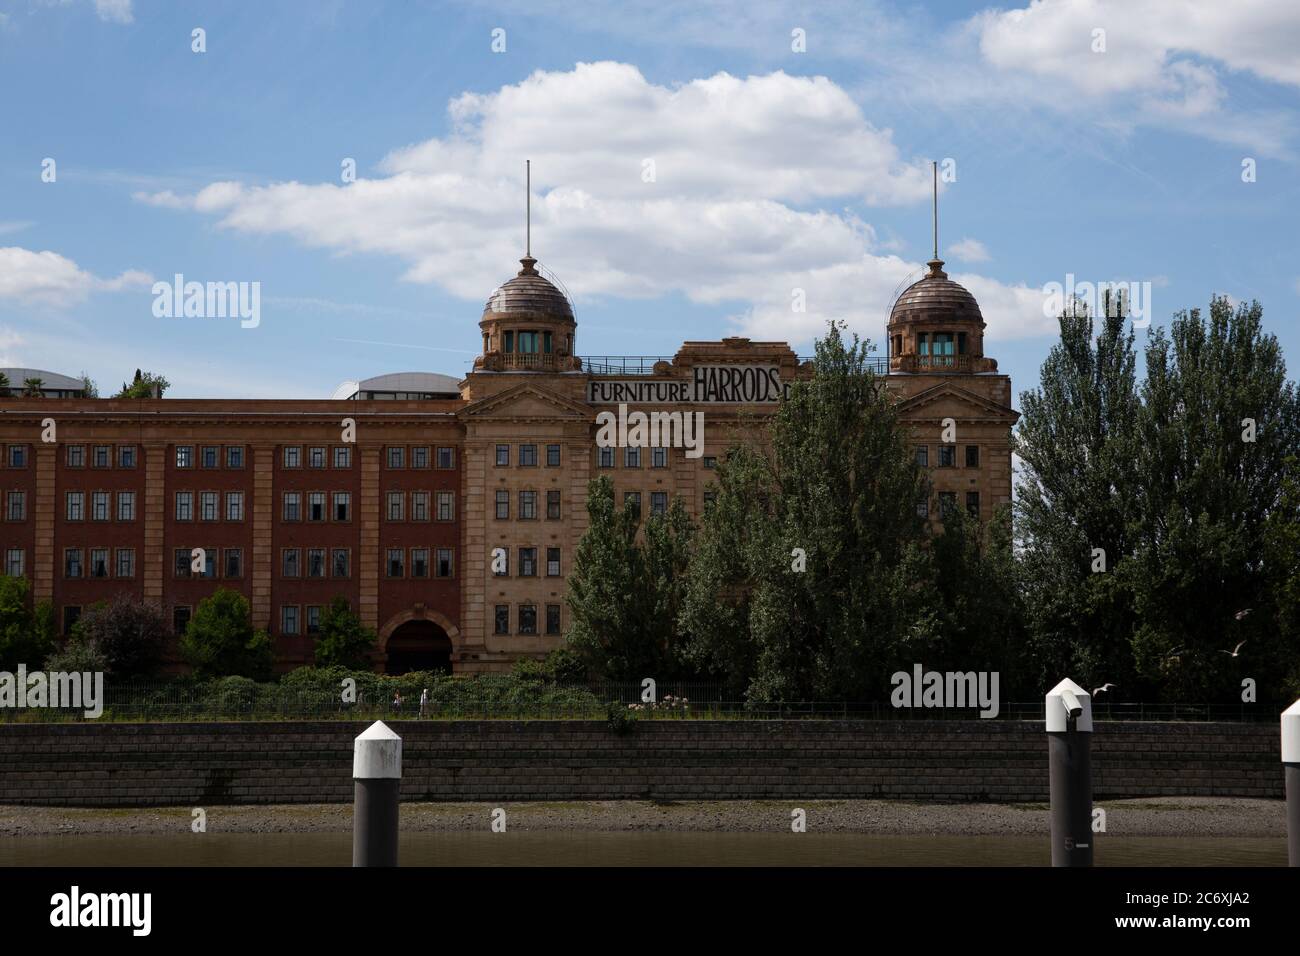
[(528, 205), (934, 166)]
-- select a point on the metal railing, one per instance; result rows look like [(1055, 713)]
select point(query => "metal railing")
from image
[(517, 698), (622, 364)]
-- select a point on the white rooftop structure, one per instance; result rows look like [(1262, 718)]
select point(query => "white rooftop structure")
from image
[(401, 385)]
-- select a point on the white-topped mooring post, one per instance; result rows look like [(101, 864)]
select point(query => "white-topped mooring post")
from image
[(377, 776), (1291, 767), (1069, 763)]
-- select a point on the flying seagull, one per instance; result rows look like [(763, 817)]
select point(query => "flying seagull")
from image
[(1233, 652), (1102, 689)]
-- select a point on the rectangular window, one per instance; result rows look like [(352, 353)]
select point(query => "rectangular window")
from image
[(396, 562), (503, 504), (126, 562), (420, 456), (234, 456), (419, 562), (99, 506), (446, 506), (396, 456), (501, 562), (315, 562), (419, 506), (947, 503), (290, 563), (658, 457), (528, 562), (208, 456), (71, 615), (76, 504), (289, 619), (342, 506), (126, 456), (552, 562), (446, 457), (552, 456), (316, 457), (209, 563), (76, 456), (14, 562), (553, 506), (99, 562), (631, 457), (632, 500), (234, 506), (923, 508), (501, 619), (503, 456), (180, 620), (396, 506), (234, 562), (527, 456), (126, 506), (342, 457), (207, 506), (292, 506), (552, 619), (658, 502), (973, 503), (710, 462), (184, 506), (315, 506), (293, 456), (99, 457), (444, 563), (72, 562), (16, 506), (341, 561), (527, 505), (313, 619), (181, 562), (947, 456), (709, 498), (184, 456), (923, 456), (972, 456), (606, 457), (528, 619), (17, 456)]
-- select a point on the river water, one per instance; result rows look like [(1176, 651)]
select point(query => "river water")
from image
[(658, 848)]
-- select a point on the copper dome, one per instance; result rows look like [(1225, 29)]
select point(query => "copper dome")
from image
[(935, 296), (528, 294)]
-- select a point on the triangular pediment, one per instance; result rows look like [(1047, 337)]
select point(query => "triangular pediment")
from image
[(948, 400), (526, 402)]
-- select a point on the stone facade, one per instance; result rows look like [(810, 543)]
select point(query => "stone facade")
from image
[(515, 452)]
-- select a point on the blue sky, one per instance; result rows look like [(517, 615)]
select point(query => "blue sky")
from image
[(773, 171)]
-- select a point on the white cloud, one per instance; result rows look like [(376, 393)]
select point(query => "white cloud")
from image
[(165, 199), (114, 11), (969, 250), (14, 225), (47, 278), (734, 215)]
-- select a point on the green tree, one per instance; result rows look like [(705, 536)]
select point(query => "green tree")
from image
[(88, 386), (130, 634), (829, 586), (142, 386), (33, 387), (343, 640), (26, 633), (4, 384), (1076, 502), (220, 640), (607, 624), (1218, 425)]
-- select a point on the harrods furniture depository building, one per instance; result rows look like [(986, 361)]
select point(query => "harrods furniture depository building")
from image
[(403, 519)]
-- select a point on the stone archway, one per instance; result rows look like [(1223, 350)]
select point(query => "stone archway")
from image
[(417, 639)]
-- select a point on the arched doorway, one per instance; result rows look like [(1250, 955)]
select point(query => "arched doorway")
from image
[(418, 645)]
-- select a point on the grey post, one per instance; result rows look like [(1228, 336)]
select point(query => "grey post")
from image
[(1291, 767), (1069, 735), (377, 772)]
